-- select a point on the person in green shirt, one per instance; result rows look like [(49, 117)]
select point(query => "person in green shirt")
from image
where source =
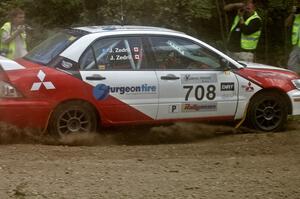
[(245, 30), (13, 35)]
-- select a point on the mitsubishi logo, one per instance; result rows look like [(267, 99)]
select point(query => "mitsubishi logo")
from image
[(248, 88), (37, 85)]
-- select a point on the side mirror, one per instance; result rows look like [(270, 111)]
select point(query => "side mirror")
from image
[(225, 64)]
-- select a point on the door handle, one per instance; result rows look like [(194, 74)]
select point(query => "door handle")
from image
[(169, 77), (95, 77)]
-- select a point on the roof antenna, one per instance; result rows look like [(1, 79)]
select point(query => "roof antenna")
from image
[(122, 14)]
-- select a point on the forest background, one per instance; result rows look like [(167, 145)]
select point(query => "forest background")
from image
[(204, 19)]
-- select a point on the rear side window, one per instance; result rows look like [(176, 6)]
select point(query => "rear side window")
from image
[(114, 54), (50, 48), (175, 53)]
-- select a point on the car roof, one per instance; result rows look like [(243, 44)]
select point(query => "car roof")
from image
[(93, 32), (117, 28)]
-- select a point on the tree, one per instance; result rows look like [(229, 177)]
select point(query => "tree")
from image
[(204, 19)]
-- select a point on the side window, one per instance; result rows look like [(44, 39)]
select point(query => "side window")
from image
[(88, 60), (176, 53), (114, 54)]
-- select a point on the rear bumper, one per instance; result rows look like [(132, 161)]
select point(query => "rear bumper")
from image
[(295, 99), (25, 113)]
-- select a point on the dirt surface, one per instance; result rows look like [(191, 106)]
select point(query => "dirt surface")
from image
[(177, 161)]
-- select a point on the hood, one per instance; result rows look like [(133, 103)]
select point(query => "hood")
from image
[(8, 64), (268, 76), (261, 66)]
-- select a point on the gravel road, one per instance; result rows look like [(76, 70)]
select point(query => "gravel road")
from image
[(177, 161)]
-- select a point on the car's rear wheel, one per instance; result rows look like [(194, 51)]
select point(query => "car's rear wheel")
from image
[(73, 117), (268, 112)]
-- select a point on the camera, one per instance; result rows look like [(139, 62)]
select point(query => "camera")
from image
[(296, 9)]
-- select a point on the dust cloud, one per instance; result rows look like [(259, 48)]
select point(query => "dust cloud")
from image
[(10, 134), (127, 135)]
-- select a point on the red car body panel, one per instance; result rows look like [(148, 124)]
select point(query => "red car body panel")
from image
[(39, 106), (43, 102), (270, 78)]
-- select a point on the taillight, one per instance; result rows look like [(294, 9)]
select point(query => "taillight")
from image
[(8, 91)]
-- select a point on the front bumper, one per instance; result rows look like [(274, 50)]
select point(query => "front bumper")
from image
[(24, 113), (295, 99)]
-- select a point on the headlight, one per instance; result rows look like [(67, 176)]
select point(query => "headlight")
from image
[(8, 91), (296, 83)]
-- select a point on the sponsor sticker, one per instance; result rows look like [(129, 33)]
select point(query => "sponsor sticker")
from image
[(101, 91), (101, 66), (227, 86), (198, 78), (227, 72), (141, 89), (199, 107), (228, 95), (176, 47), (174, 108)]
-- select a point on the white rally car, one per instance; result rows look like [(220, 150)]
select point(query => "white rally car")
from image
[(84, 78)]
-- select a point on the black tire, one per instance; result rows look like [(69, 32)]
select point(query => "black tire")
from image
[(73, 117), (268, 112)]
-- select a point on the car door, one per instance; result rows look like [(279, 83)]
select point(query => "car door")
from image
[(192, 82), (124, 90)]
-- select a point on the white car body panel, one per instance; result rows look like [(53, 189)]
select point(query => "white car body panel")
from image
[(246, 90), (262, 66), (8, 64), (145, 101), (295, 99), (173, 100)]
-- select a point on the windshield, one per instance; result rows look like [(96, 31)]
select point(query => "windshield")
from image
[(50, 48)]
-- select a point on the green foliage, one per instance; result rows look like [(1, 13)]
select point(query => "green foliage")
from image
[(199, 18), (54, 13)]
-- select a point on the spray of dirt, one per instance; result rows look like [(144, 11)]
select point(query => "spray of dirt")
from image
[(148, 135), (10, 134), (129, 135)]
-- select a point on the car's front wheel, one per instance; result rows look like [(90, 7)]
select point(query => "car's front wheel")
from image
[(268, 112), (73, 117)]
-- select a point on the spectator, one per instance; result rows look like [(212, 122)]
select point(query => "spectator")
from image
[(294, 21), (245, 30), (13, 35)]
